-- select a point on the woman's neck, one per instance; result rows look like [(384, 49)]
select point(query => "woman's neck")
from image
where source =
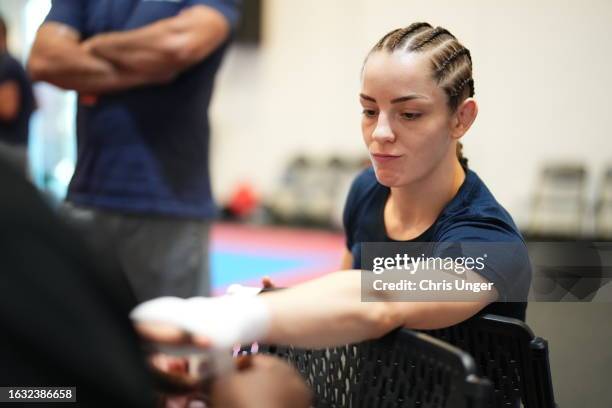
[(412, 209)]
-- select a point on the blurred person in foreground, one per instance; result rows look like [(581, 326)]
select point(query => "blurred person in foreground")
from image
[(64, 323)]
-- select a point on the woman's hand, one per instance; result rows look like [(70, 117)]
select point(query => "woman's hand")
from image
[(219, 322)]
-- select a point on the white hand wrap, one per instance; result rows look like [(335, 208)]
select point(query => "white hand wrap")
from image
[(225, 320)]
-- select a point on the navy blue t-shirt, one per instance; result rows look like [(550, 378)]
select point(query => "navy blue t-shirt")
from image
[(473, 215), (16, 130), (144, 150)]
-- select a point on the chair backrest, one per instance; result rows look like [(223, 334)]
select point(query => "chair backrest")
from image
[(559, 201), (603, 208), (402, 369), (506, 352)]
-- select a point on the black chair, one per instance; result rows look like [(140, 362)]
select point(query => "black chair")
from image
[(506, 352), (403, 369), (559, 202), (603, 207)]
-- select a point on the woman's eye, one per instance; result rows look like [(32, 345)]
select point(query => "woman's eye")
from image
[(369, 113), (410, 115)]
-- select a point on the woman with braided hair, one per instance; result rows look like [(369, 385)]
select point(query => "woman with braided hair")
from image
[(417, 98)]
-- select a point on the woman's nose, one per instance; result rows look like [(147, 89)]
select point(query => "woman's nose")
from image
[(383, 132)]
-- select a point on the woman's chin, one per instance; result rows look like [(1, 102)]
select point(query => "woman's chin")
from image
[(387, 178)]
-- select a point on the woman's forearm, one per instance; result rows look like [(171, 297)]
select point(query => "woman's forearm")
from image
[(328, 311)]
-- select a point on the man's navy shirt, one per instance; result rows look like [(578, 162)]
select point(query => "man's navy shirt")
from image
[(144, 150), (16, 131), (473, 215)]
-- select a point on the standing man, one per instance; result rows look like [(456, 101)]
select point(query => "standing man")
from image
[(16, 106), (144, 73)]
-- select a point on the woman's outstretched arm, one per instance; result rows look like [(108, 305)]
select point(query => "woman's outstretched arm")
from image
[(330, 311), (322, 312)]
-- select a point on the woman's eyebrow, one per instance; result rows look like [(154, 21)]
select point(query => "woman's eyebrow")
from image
[(396, 100), (367, 98), (408, 98)]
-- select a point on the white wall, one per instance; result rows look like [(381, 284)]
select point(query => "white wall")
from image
[(541, 71), (11, 11)]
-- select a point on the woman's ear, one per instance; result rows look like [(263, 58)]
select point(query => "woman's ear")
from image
[(464, 117)]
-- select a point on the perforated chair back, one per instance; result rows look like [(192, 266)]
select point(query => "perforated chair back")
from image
[(403, 369), (506, 352)]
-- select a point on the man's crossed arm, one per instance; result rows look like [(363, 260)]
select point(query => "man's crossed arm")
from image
[(114, 61)]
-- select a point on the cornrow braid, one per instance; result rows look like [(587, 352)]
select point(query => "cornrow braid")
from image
[(406, 33), (462, 159), (381, 42), (395, 39), (433, 34), (452, 57), (459, 87)]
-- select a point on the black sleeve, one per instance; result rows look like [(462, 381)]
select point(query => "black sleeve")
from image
[(348, 214), (504, 257), (62, 321)]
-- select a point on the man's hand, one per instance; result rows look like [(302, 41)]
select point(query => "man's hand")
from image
[(172, 374), (177, 388), (267, 383), (257, 383)]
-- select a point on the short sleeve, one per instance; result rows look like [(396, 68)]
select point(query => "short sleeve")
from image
[(69, 12), (348, 215), (229, 8), (502, 251)]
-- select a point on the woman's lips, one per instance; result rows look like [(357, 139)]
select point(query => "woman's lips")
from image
[(384, 158)]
